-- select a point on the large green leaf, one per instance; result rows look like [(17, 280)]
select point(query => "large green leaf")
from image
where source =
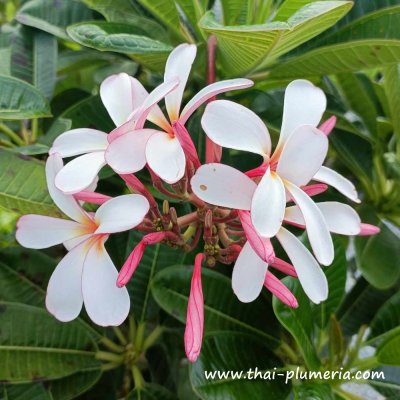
[(313, 391), (387, 318), (392, 87), (247, 47), (342, 57), (121, 38), (34, 345), (222, 310), (232, 10), (23, 187), (288, 8), (20, 100), (155, 258), (32, 391), (383, 250), (388, 353), (53, 16), (151, 391), (299, 322), (336, 275), (241, 353)]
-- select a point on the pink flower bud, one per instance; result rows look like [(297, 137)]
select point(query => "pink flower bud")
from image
[(284, 267), (91, 197), (327, 126), (195, 313), (369, 230), (279, 290), (186, 142)]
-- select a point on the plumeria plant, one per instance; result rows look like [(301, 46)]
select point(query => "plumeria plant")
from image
[(199, 200)]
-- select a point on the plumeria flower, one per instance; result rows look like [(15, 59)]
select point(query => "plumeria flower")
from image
[(86, 275), (166, 150), (224, 186), (297, 159), (128, 104)]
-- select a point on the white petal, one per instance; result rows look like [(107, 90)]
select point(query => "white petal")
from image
[(64, 292), (234, 126), (165, 157), (79, 141), (80, 173), (40, 232), (71, 243), (210, 91), (304, 105), (105, 303), (340, 218), (317, 230), (268, 205), (302, 155), (339, 182), (248, 274), (179, 64), (149, 108), (117, 94), (127, 153), (66, 203), (310, 274), (121, 213), (224, 186)]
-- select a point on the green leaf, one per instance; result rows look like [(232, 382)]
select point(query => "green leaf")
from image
[(151, 391), (313, 391), (381, 250), (288, 8), (31, 149), (31, 391), (15, 287), (299, 322), (232, 10), (155, 258), (123, 11), (53, 16), (23, 187), (336, 275), (236, 352), (20, 100), (389, 384), (392, 87), (248, 47), (387, 318), (34, 345), (388, 353), (194, 10), (222, 310), (342, 57), (121, 38)]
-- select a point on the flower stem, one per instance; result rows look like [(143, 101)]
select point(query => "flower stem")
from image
[(11, 134)]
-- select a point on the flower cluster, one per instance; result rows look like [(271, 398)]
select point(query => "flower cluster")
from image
[(235, 213)]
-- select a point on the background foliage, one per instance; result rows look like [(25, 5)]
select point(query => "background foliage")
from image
[(54, 54)]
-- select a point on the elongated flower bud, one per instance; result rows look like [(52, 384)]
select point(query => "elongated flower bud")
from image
[(328, 125), (279, 290), (369, 230)]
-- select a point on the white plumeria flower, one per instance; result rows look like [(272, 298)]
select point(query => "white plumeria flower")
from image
[(297, 159), (86, 274), (128, 104), (224, 186), (164, 150)]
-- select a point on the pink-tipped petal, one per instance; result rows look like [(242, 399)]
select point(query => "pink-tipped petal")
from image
[(105, 303), (121, 213), (283, 266), (166, 157), (280, 291), (80, 173), (339, 182), (234, 126), (40, 232), (268, 205), (262, 246), (248, 274), (137, 187), (127, 153), (368, 230), (66, 203), (315, 189), (195, 313), (187, 143), (302, 155), (213, 152), (211, 91), (92, 197), (327, 126), (64, 294), (310, 274), (257, 172), (304, 105), (79, 141), (223, 186), (178, 65), (136, 255)]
